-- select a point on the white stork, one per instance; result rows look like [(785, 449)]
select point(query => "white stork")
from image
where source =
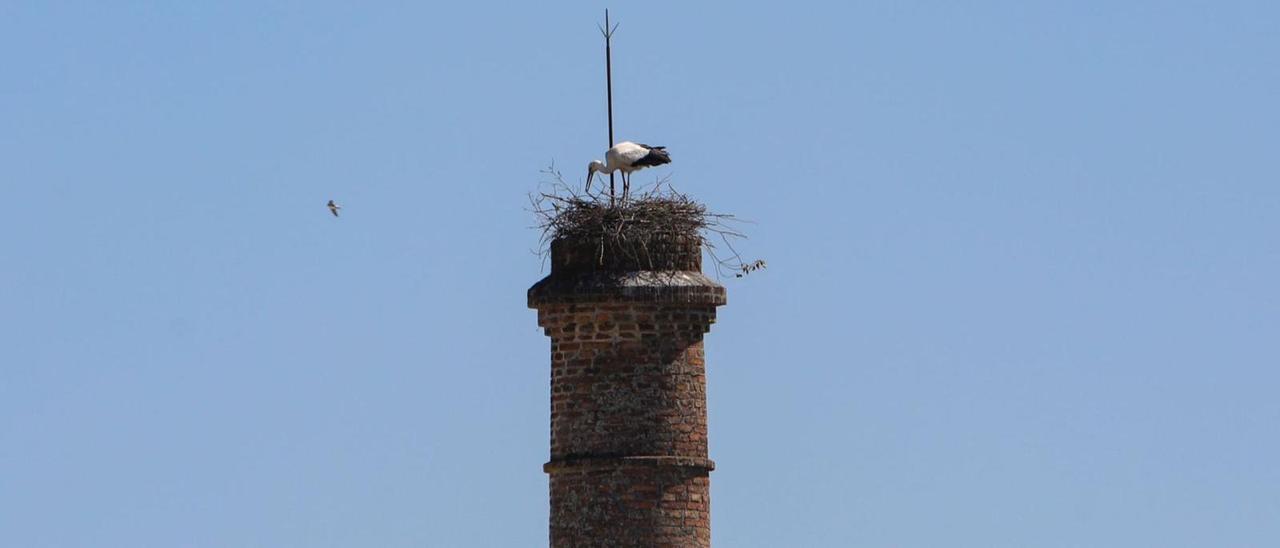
[(333, 208), (627, 157)]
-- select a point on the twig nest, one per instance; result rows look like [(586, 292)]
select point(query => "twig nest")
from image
[(649, 252), (652, 231)]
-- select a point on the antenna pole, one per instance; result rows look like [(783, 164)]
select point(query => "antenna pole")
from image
[(608, 78)]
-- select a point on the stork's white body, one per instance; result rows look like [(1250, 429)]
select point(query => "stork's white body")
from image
[(627, 157), (623, 156)]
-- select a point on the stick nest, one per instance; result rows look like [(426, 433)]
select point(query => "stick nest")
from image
[(656, 213)]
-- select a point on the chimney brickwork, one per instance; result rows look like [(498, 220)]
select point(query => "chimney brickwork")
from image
[(629, 462)]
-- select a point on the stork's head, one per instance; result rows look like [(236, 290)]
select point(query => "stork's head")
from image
[(592, 168)]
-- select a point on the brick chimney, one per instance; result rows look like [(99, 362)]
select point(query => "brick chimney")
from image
[(629, 462)]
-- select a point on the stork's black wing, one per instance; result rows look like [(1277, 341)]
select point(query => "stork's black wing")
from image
[(656, 157)]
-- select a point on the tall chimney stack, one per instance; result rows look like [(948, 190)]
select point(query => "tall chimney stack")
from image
[(629, 462)]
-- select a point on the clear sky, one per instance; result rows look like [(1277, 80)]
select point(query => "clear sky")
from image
[(1022, 285)]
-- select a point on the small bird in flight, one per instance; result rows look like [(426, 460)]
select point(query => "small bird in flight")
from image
[(333, 208)]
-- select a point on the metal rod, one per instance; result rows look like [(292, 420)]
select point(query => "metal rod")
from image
[(608, 76)]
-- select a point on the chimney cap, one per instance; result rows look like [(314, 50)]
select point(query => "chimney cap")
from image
[(661, 268)]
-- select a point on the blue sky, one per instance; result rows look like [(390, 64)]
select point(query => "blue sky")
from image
[(1022, 286)]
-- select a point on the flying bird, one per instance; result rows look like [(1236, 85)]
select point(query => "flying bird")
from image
[(333, 208), (627, 157)]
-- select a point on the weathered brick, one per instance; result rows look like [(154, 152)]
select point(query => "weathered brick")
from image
[(629, 462)]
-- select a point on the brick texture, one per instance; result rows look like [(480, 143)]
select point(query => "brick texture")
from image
[(629, 462)]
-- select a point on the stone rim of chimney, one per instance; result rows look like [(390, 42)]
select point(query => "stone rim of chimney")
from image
[(659, 268)]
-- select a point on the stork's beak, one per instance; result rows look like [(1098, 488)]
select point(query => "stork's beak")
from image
[(590, 173)]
